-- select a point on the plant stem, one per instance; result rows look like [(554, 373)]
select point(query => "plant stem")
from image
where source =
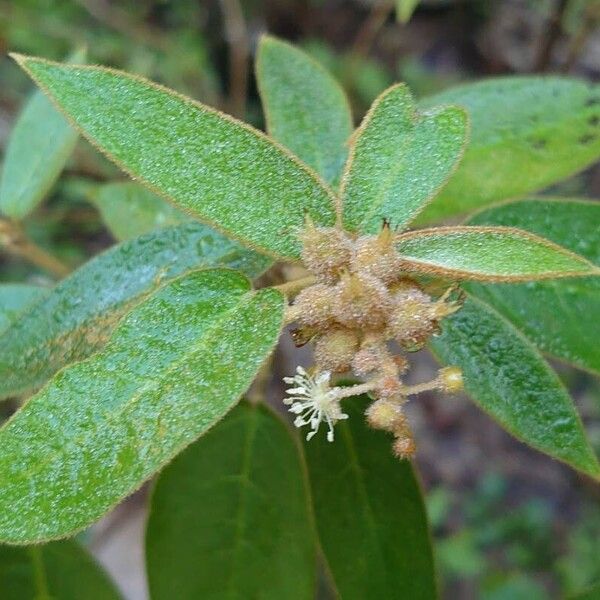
[(370, 28), (236, 34), (13, 238), (289, 288), (589, 22), (551, 36)]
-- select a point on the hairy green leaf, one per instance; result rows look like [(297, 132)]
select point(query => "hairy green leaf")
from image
[(507, 378), (15, 298), (173, 367), (399, 160), (560, 317), (230, 517), (370, 514), (129, 210), (38, 148), (58, 571), (221, 171), (488, 253), (526, 134), (77, 318), (305, 108)]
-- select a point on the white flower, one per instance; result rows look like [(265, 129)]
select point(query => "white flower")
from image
[(314, 401)]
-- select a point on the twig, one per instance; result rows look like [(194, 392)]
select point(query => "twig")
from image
[(589, 21), (13, 238), (236, 35), (290, 287), (550, 36), (370, 28)]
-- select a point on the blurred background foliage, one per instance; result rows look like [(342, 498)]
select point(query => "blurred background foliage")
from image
[(508, 523)]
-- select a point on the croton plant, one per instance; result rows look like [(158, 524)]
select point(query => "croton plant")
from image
[(151, 345)]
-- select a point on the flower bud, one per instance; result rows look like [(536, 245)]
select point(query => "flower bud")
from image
[(451, 379), (404, 447), (362, 302), (325, 251), (385, 415), (377, 256), (411, 322), (313, 306), (335, 349)]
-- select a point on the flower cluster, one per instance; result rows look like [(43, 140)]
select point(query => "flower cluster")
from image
[(361, 301)]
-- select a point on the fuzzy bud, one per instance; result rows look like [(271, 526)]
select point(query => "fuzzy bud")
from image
[(377, 256), (313, 306), (451, 379), (385, 415), (362, 302), (404, 447), (411, 322), (325, 251), (335, 349)]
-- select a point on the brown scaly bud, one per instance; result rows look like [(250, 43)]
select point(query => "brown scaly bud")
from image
[(335, 349), (390, 387), (313, 306), (325, 251), (362, 302), (376, 256), (386, 415), (451, 379)]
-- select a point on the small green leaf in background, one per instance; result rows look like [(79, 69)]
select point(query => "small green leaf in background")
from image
[(305, 107), (508, 379), (39, 146), (405, 9), (526, 134), (174, 366), (399, 160), (488, 253), (77, 318), (129, 210), (592, 593), (221, 171), (370, 513), (559, 317), (230, 516), (56, 571), (15, 298)]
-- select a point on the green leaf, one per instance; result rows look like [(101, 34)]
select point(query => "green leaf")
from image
[(39, 146), (77, 318), (15, 298), (399, 160), (305, 107), (221, 171), (57, 571), (526, 134), (592, 593), (173, 367), (129, 210), (230, 516), (508, 379), (405, 9), (488, 254), (370, 513), (559, 317)]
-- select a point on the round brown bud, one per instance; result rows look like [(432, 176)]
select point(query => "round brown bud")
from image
[(362, 302), (325, 251), (335, 349), (366, 360), (376, 256), (385, 415), (404, 447), (313, 306), (451, 379), (411, 323)]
